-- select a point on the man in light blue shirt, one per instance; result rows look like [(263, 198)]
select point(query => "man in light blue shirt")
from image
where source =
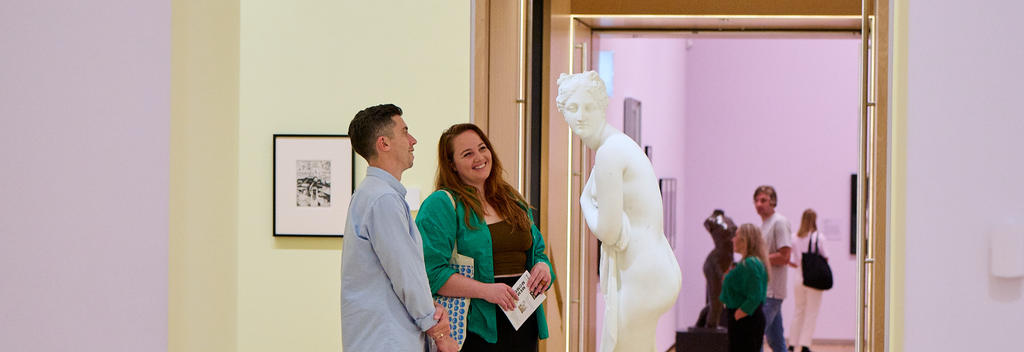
[(386, 303)]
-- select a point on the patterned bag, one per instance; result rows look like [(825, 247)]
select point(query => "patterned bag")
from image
[(457, 307)]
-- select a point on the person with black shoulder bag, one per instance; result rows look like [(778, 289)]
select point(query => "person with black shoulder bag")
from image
[(814, 277)]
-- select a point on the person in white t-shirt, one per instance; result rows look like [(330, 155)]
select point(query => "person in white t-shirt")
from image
[(807, 300), (777, 232)]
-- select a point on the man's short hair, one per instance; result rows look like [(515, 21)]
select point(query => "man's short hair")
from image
[(368, 125), (770, 192)]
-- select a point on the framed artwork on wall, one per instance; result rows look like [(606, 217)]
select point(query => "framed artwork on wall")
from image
[(853, 213), (631, 122), (668, 206), (312, 184)]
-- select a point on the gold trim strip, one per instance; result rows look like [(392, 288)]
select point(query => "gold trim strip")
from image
[(837, 17)]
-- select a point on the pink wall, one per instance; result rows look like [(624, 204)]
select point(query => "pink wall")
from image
[(709, 111), (85, 115), (963, 174), (773, 111)]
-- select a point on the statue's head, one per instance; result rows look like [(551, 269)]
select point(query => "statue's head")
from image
[(582, 99)]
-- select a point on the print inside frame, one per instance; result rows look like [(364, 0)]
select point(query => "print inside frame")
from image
[(312, 184)]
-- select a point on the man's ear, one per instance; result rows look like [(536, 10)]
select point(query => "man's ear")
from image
[(383, 144)]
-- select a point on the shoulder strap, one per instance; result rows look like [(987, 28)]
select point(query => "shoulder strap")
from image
[(455, 248), (449, 194), (813, 235)]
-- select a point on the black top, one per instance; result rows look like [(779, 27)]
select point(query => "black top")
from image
[(510, 248)]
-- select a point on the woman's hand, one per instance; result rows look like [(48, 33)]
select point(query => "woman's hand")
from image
[(740, 314), (500, 294), (540, 278)]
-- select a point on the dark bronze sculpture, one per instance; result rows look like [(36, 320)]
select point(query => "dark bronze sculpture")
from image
[(717, 263)]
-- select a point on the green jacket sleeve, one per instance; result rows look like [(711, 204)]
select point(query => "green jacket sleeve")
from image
[(754, 284), (436, 221), (538, 247)]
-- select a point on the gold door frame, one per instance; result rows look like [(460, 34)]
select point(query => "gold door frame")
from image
[(872, 184)]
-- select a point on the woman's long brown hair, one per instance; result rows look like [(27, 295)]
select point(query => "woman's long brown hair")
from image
[(505, 200), (808, 224)]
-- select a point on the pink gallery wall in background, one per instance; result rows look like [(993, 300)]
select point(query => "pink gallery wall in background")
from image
[(782, 112), (85, 118), (726, 115)]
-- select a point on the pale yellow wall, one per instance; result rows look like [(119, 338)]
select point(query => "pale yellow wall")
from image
[(307, 67), (202, 254)]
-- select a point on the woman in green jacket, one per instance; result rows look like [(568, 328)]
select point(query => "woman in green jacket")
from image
[(744, 290), (492, 223)]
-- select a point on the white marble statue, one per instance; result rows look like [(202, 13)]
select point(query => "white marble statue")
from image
[(621, 204)]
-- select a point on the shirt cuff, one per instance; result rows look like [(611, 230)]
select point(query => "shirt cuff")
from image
[(427, 322)]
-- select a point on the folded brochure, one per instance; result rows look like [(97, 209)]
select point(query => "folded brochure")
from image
[(526, 304)]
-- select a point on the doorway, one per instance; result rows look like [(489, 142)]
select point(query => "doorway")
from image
[(580, 249), (723, 113)]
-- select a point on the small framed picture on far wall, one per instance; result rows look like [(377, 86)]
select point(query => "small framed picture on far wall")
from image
[(312, 184)]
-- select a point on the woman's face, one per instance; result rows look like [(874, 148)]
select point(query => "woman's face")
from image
[(472, 158), (739, 244), (584, 116)]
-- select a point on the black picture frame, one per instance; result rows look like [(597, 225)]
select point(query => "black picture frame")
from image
[(313, 180), (853, 214), (668, 188)]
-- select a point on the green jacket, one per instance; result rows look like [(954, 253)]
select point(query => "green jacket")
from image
[(745, 286), (439, 227)]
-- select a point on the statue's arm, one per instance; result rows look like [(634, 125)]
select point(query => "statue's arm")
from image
[(601, 202)]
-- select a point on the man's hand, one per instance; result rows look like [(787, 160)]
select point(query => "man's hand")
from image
[(446, 344), (440, 331), (500, 294), (440, 314)]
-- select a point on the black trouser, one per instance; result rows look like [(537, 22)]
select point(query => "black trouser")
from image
[(747, 334), (509, 339)]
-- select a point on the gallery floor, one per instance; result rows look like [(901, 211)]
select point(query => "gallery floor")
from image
[(836, 347), (832, 348)]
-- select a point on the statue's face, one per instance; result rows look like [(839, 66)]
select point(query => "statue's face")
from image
[(584, 116)]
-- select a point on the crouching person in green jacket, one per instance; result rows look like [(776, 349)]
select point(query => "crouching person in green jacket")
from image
[(475, 209)]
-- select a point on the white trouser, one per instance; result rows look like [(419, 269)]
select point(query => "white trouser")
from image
[(807, 304)]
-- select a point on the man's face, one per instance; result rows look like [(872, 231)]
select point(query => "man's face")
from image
[(763, 204), (401, 142)]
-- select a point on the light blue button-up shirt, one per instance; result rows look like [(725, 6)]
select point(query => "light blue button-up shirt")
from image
[(385, 297)]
